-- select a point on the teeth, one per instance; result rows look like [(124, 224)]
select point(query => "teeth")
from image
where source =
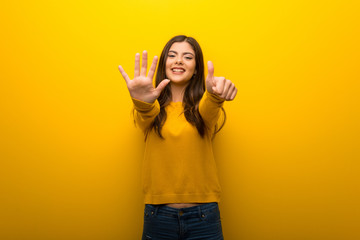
[(178, 70)]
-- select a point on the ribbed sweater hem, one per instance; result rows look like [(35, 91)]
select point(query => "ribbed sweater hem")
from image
[(181, 198)]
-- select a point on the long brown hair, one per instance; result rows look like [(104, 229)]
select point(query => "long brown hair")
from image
[(193, 92)]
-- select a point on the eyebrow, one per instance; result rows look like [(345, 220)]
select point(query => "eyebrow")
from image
[(184, 52)]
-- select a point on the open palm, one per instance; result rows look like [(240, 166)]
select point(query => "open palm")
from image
[(141, 87)]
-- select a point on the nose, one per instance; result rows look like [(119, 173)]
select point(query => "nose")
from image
[(179, 60)]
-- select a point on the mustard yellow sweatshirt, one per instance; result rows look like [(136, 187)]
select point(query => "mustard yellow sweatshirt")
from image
[(180, 168)]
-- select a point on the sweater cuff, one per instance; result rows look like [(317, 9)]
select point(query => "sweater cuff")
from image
[(145, 106), (214, 98)]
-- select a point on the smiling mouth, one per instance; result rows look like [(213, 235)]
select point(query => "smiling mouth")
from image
[(178, 70)]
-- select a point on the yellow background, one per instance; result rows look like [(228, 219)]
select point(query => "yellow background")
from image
[(288, 156)]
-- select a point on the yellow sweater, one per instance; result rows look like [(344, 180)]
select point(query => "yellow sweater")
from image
[(180, 168)]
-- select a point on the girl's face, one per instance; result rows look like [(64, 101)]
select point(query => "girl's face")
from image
[(180, 63)]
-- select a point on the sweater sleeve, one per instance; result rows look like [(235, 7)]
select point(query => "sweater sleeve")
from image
[(145, 113), (210, 109)]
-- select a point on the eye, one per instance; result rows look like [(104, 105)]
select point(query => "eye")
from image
[(189, 58), (171, 55)]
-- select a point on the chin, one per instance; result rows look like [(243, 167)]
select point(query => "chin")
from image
[(179, 81), (179, 78)]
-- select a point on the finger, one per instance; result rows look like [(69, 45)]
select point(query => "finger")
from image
[(227, 86), (144, 64), (210, 69), (230, 92), (234, 94), (220, 83), (152, 68), (161, 86), (137, 65), (123, 73)]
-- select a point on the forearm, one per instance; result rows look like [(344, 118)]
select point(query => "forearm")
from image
[(210, 108), (145, 113)]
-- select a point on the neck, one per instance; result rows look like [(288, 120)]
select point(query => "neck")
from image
[(177, 92)]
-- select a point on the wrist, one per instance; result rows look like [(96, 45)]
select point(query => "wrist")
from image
[(143, 99), (213, 96)]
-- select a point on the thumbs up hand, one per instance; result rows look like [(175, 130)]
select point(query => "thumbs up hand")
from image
[(219, 86)]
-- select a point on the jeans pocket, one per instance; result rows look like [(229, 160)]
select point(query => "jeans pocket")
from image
[(148, 213), (211, 215)]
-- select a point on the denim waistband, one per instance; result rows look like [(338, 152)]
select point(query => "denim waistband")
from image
[(175, 211)]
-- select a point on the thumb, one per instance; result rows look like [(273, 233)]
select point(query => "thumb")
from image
[(210, 69), (161, 86)]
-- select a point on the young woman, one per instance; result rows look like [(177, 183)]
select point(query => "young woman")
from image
[(179, 117)]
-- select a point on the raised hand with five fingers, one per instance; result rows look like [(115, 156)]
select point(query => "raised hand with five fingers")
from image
[(141, 87), (219, 86)]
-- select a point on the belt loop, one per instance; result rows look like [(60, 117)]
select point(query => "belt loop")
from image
[(156, 208), (199, 211)]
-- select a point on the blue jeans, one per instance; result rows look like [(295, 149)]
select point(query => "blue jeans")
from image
[(193, 223)]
